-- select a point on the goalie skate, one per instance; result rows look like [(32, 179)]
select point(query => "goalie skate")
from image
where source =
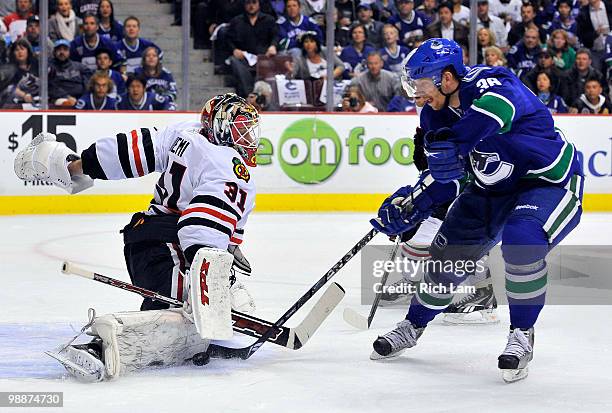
[(396, 341), (517, 355), (82, 361), (477, 308)]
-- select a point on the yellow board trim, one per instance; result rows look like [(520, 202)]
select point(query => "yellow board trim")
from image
[(80, 204)]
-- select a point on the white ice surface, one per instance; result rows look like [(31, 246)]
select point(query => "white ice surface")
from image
[(452, 369)]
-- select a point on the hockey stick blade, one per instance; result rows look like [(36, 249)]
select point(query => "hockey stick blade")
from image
[(355, 319)]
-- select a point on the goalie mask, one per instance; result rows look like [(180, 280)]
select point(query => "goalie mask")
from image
[(228, 120)]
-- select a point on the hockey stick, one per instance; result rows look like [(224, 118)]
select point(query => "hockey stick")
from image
[(244, 353), (357, 320), (292, 338)]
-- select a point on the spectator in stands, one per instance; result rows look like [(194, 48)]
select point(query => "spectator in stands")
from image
[(353, 100), (553, 102), (522, 57), (384, 9), (33, 36), (16, 22), (558, 79), (292, 25), (582, 70), (508, 11), (314, 8), (377, 84), (261, 96), (565, 20), (608, 58), (132, 46), (594, 22), (592, 100), (158, 79), (563, 54), (98, 97), (67, 79), (409, 22), (104, 63), (544, 12), (137, 97), (311, 64), (393, 54), (64, 24), (84, 47), (342, 34), (447, 27), (85, 7), (486, 38), (209, 17), (25, 84), (461, 13), (493, 23), (355, 54), (347, 7), (494, 56), (430, 9), (250, 34), (373, 28), (108, 25), (527, 17)]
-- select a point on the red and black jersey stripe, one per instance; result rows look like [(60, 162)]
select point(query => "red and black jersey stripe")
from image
[(132, 145)]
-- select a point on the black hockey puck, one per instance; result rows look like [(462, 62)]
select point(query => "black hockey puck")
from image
[(201, 359)]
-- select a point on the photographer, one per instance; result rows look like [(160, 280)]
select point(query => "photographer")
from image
[(354, 101)]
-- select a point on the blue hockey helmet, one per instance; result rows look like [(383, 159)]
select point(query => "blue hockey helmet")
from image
[(429, 60)]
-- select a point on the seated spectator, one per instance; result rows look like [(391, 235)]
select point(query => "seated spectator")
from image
[(314, 8), (565, 20), (132, 46), (64, 24), (310, 63), (16, 22), (430, 9), (292, 26), (592, 100), (67, 79), (393, 54), (342, 34), (261, 97), (355, 54), (209, 17), (409, 22), (527, 21), (493, 23), (554, 103), (384, 9), (104, 63), (522, 57), (461, 13), (137, 98), (347, 7), (85, 7), (582, 70), (84, 47), (24, 87), (494, 57), (508, 11), (563, 54), (373, 28), (446, 27), (401, 104), (249, 35), (33, 36), (486, 39), (594, 22), (108, 25), (378, 85), (98, 95), (558, 79), (608, 57), (353, 100), (158, 79), (544, 12)]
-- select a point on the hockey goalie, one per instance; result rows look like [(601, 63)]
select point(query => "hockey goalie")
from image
[(186, 245)]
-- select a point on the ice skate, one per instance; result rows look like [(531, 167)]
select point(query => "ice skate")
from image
[(82, 361), (398, 293), (479, 307), (392, 344), (518, 353)]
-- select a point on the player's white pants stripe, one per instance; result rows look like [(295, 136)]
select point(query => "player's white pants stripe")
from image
[(524, 282), (565, 211), (179, 284)]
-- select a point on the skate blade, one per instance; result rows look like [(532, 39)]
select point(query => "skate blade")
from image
[(401, 301), (76, 371), (476, 317), (377, 357), (512, 375)]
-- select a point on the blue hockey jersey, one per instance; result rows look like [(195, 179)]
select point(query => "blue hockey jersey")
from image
[(288, 32), (118, 84), (132, 56), (81, 52), (151, 101), (415, 26), (509, 134), (163, 85), (393, 62), (86, 102), (114, 33), (353, 60)]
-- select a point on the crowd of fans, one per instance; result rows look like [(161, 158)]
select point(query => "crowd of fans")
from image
[(95, 62)]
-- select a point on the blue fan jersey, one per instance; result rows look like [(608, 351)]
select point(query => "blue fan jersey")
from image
[(115, 32), (509, 134), (393, 62), (81, 52), (163, 85), (151, 101), (410, 28), (118, 84), (86, 102), (133, 55), (289, 31)]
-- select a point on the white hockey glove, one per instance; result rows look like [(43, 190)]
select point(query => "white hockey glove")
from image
[(240, 264), (46, 159)]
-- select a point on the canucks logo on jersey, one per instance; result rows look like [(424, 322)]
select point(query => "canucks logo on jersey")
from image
[(489, 168)]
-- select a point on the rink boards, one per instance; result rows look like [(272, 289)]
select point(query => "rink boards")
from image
[(307, 162)]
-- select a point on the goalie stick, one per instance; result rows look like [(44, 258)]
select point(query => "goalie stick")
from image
[(292, 338), (244, 353)]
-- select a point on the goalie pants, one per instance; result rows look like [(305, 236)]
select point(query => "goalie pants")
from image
[(529, 223)]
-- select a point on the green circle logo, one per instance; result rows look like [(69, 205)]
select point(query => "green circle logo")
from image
[(310, 151)]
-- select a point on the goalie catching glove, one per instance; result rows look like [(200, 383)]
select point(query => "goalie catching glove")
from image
[(46, 159)]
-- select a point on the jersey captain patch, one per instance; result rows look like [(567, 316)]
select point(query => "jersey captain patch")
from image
[(240, 170)]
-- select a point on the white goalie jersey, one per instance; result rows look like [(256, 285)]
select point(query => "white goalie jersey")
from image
[(208, 186)]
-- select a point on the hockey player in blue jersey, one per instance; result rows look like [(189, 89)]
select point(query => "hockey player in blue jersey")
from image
[(527, 192)]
